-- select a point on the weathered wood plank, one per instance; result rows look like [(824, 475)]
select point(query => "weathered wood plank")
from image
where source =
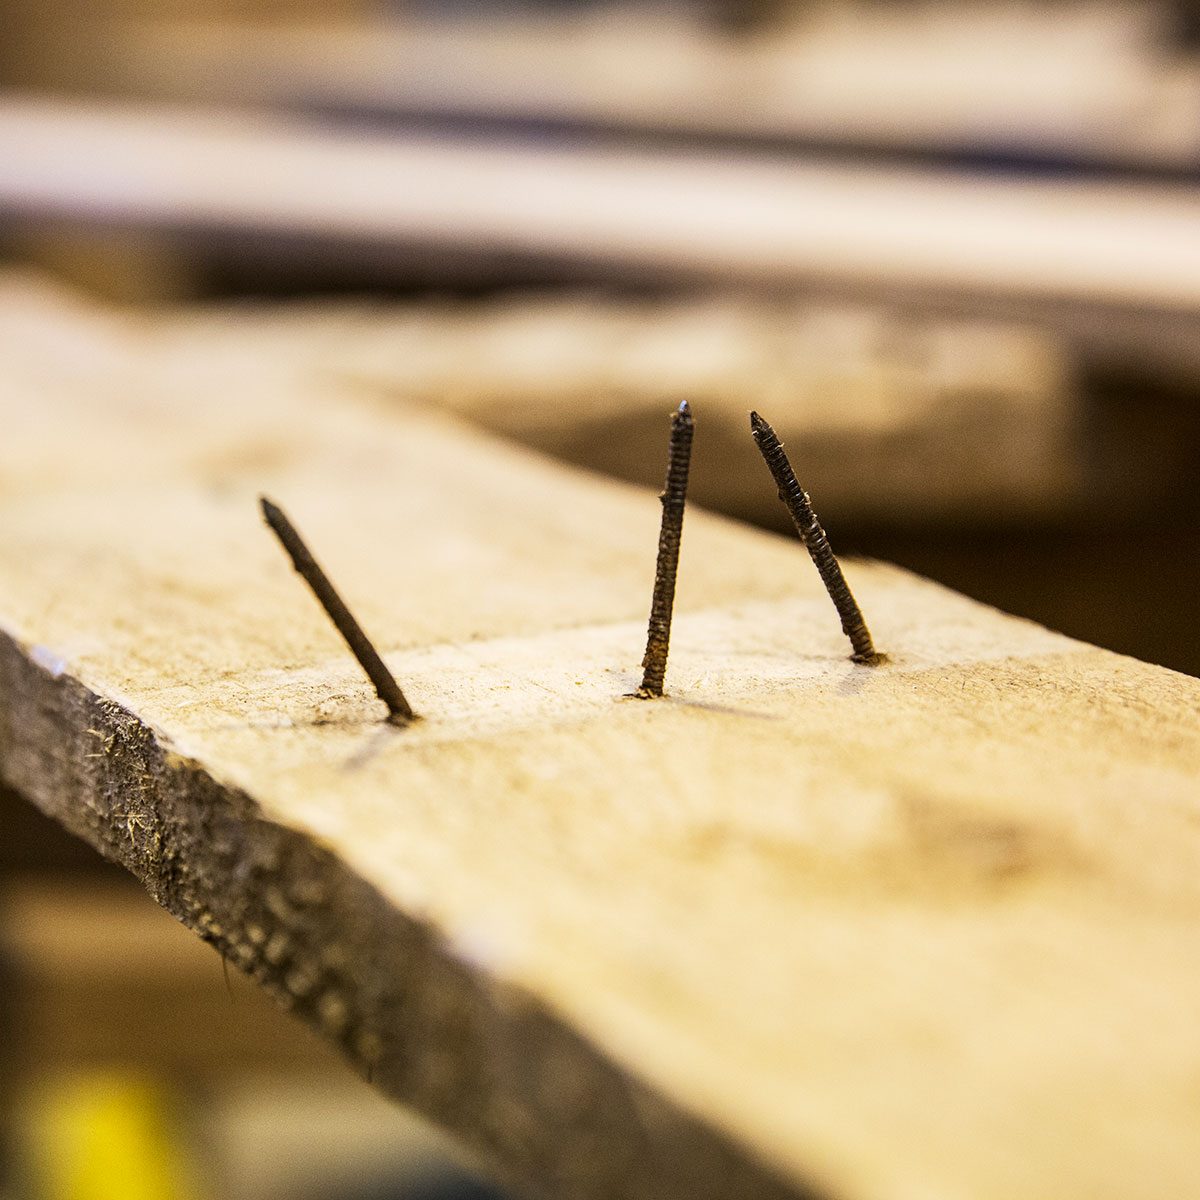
[(923, 930)]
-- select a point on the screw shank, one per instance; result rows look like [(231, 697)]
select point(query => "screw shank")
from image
[(674, 499), (800, 508), (360, 645)]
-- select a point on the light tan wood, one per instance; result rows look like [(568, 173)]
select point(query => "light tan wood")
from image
[(920, 931), (900, 416)]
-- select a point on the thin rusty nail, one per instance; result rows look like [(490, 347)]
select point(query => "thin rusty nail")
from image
[(399, 710), (796, 500), (674, 498)]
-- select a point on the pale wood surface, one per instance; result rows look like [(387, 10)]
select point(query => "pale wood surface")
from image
[(926, 930)]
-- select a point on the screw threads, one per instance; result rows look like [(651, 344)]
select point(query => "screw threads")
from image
[(796, 500), (674, 500), (388, 690)]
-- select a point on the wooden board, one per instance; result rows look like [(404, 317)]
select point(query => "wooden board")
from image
[(1075, 81), (733, 216), (102, 990), (903, 418), (925, 930)]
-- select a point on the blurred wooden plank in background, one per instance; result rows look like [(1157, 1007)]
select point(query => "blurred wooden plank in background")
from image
[(896, 418), (1083, 83), (104, 992), (744, 218)]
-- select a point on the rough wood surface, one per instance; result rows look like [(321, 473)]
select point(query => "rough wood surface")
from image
[(920, 931)]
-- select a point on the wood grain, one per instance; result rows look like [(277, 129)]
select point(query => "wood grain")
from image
[(925, 930)]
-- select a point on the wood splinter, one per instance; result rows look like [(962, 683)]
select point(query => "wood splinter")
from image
[(796, 500), (674, 499), (399, 710)]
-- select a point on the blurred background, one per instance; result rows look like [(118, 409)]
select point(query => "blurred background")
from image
[(951, 250)]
